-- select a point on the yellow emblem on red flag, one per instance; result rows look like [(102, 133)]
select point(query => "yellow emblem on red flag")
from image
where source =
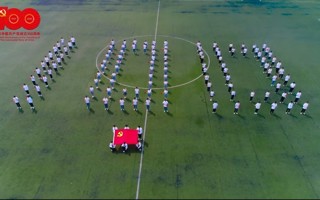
[(120, 134)]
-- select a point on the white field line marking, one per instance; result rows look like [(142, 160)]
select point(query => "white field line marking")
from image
[(145, 120)]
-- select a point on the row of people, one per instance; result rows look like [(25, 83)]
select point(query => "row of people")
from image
[(46, 69)]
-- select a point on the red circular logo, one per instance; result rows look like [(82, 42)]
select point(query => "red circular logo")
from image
[(14, 19)]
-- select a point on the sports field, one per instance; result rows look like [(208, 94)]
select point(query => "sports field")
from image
[(60, 150)]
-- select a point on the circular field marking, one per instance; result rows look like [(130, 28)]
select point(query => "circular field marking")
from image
[(154, 88)]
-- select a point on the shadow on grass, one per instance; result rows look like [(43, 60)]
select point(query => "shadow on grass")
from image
[(95, 98), (276, 116), (151, 113), (91, 111), (139, 112), (21, 111), (261, 116), (170, 114), (241, 117), (125, 112), (42, 98), (110, 112), (218, 116), (35, 111), (308, 116)]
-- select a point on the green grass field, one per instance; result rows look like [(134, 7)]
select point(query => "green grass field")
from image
[(61, 150)]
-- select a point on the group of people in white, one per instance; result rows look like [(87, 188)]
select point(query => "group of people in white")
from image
[(124, 146), (113, 76), (267, 61), (51, 61)]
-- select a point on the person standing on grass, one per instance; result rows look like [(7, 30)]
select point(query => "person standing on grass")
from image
[(121, 101), (124, 92), (230, 86), (298, 96), (112, 81), (233, 94), (73, 41), (140, 131), (273, 80), (236, 107), (126, 126), (214, 107), (206, 79), (292, 86), (50, 55), (91, 90), (50, 73), (211, 95), (228, 77), (33, 80), (135, 104), (209, 84), (108, 90), (148, 104), (149, 93), (58, 59), (278, 86), (62, 56), (269, 71), (266, 96), (87, 102), (30, 101), (139, 146), (38, 89), (96, 83), (54, 66), (43, 65), (70, 45), (252, 94), (257, 107), (283, 97), (98, 76), (136, 92), (273, 107), (304, 108), (45, 80), (150, 84), (165, 104), (290, 106), (286, 79), (281, 72), (17, 102), (38, 72), (112, 147), (165, 84), (124, 147), (114, 128), (25, 88), (47, 60), (105, 103)]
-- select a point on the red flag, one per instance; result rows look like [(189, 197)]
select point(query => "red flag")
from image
[(130, 136)]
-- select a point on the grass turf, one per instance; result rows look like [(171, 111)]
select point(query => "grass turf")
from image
[(61, 151)]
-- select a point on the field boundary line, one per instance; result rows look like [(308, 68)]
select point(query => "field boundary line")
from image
[(146, 119)]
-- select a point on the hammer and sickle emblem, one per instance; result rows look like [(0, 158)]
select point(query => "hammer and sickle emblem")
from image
[(120, 134), (3, 13)]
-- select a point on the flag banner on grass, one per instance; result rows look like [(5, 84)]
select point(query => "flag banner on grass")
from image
[(130, 136)]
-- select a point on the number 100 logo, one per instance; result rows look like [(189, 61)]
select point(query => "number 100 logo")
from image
[(14, 18)]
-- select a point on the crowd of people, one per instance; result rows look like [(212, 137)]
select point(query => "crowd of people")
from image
[(112, 75), (272, 67), (53, 60)]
